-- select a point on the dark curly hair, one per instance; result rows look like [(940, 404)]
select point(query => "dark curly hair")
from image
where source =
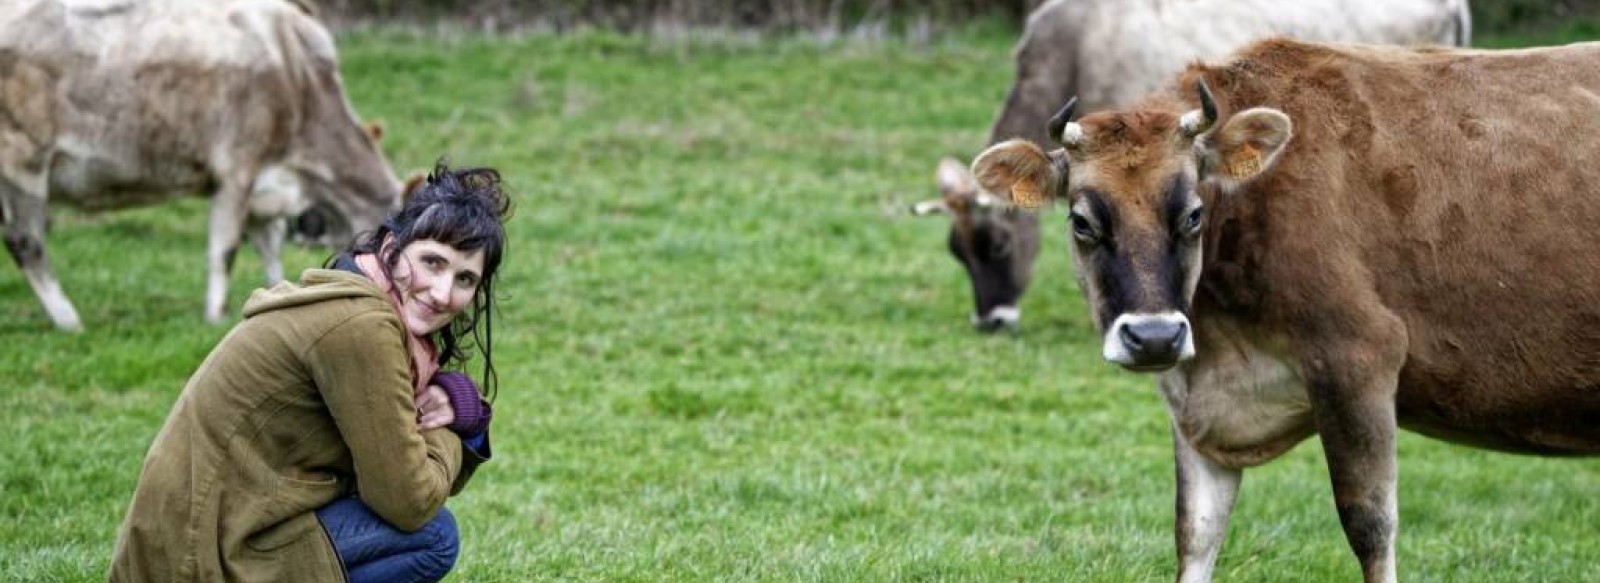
[(466, 210)]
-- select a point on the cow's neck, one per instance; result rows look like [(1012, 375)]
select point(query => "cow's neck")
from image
[(1241, 401)]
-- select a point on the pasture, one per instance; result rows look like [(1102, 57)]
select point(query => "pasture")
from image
[(725, 352)]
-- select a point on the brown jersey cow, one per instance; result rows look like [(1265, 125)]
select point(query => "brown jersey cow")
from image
[(1340, 240), (1110, 52), (115, 104)]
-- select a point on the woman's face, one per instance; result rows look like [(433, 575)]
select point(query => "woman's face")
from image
[(436, 282)]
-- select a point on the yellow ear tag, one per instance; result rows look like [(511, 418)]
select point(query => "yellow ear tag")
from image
[(1245, 162), (1026, 194)]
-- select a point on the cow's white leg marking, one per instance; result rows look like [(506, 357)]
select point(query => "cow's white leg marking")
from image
[(1205, 496), (267, 237), (23, 195), (55, 301), (228, 213)]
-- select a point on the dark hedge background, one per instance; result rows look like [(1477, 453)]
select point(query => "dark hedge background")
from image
[(1490, 17)]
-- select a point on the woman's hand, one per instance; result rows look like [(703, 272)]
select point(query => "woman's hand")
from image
[(433, 409)]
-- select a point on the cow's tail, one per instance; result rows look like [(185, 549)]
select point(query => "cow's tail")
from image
[(1463, 22)]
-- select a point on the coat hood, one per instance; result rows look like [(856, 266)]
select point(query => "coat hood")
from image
[(316, 285)]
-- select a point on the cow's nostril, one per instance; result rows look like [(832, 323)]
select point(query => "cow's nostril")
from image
[(1130, 338), (1177, 334)]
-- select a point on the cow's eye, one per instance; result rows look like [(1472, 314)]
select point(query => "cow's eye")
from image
[(1193, 221), (1082, 229)]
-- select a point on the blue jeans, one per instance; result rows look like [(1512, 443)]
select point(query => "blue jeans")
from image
[(375, 552)]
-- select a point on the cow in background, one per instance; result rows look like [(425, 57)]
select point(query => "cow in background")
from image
[(1108, 52), (1341, 240), (111, 103)]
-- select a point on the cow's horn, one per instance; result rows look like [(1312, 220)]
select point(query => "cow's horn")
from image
[(1063, 131), (930, 207), (1198, 121)]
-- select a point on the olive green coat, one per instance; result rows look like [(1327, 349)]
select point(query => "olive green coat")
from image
[(307, 400)]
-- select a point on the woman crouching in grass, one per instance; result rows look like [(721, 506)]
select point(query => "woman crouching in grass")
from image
[(319, 439)]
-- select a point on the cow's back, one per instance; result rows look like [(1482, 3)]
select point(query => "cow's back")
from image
[(1462, 187), (147, 95), (135, 32), (1128, 49)]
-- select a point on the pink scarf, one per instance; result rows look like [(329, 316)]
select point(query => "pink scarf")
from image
[(424, 356)]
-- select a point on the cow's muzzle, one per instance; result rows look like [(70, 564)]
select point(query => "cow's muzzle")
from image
[(1149, 342), (310, 227), (998, 318), (320, 226)]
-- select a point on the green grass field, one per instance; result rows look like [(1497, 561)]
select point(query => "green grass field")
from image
[(725, 356)]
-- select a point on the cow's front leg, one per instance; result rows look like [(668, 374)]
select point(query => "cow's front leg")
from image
[(267, 237), (228, 213), (1206, 492), (1352, 399), (26, 215)]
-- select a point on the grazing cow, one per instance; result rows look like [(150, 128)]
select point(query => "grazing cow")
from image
[(1108, 52), (111, 103), (1341, 240)]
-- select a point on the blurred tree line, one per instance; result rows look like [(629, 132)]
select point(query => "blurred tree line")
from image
[(1511, 16), (1489, 16)]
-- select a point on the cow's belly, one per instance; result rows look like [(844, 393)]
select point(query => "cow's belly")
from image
[(1530, 416), (1242, 403), (1239, 404), (1573, 436), (96, 180)]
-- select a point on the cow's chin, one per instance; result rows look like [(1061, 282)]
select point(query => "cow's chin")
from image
[(1150, 368)]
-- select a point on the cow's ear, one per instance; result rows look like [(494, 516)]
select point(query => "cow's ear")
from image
[(413, 182), (1017, 171), (1247, 145), (375, 130)]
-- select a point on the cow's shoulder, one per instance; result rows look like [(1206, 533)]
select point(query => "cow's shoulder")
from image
[(287, 23)]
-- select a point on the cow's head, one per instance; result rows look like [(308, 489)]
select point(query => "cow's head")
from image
[(347, 183), (1133, 182), (995, 243)]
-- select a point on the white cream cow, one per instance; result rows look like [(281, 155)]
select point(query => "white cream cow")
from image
[(116, 103)]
